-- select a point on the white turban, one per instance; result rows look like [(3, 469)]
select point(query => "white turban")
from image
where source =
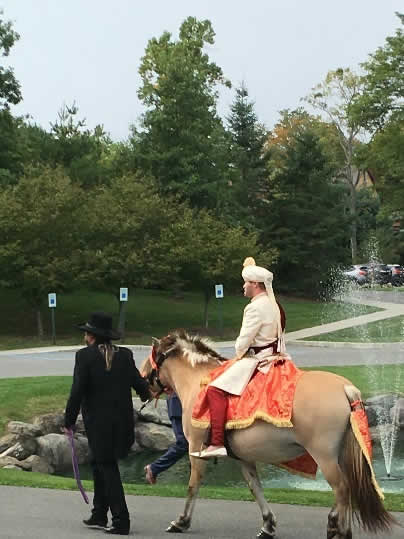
[(258, 274)]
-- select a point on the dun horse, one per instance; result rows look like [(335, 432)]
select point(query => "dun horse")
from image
[(321, 412)]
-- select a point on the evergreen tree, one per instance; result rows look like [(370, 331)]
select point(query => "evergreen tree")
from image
[(305, 217), (248, 158), (181, 140)]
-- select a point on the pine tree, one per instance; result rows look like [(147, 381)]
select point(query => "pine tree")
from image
[(248, 157), (305, 218)]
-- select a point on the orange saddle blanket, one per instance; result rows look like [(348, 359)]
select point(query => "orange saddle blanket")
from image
[(268, 396)]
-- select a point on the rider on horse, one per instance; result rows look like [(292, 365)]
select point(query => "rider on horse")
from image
[(260, 338)]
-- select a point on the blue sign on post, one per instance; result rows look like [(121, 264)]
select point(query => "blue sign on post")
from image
[(123, 294), (52, 299), (219, 290)]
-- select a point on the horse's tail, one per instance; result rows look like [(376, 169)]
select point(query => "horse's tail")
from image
[(365, 496)]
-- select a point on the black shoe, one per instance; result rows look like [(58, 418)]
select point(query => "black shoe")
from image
[(96, 523), (114, 530)]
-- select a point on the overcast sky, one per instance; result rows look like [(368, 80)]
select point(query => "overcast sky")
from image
[(89, 51)]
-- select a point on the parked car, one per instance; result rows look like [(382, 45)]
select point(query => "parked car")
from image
[(397, 274), (357, 273), (379, 273)]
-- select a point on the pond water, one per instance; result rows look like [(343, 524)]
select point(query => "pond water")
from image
[(227, 473)]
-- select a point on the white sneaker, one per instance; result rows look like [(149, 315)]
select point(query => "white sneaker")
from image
[(205, 454)]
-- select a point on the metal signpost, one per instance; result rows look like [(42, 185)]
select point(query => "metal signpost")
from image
[(123, 298), (52, 306), (219, 295)]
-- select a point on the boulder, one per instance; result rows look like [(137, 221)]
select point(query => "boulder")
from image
[(386, 401), (376, 414), (55, 449), (24, 430), (151, 413), (23, 449), (49, 423), (153, 436), (8, 441), (9, 461), (35, 463), (397, 412), (12, 467)]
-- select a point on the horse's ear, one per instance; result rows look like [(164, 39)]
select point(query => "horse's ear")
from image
[(155, 342)]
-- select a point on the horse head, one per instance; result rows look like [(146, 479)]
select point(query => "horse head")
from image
[(193, 349)]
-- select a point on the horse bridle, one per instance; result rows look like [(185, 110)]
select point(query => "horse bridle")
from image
[(156, 363)]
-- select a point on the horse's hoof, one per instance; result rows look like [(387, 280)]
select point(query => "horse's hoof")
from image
[(173, 528), (264, 535)]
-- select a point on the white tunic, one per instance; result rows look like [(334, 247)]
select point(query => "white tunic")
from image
[(259, 328)]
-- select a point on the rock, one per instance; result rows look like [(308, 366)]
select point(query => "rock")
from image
[(151, 413), (9, 461), (35, 463), (136, 448), (12, 467), (24, 430), (397, 412), (49, 423), (386, 401), (153, 436), (376, 414), (55, 449), (22, 450), (8, 441)]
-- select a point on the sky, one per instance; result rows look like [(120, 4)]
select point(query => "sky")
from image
[(89, 51)]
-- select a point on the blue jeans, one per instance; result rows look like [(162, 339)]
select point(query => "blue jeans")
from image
[(174, 452)]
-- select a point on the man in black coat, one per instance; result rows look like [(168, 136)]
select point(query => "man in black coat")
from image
[(103, 377)]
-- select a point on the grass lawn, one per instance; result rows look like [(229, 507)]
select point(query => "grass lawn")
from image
[(390, 330), (393, 502), (21, 399), (152, 312)]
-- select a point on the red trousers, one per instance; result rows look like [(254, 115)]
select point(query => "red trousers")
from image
[(217, 400)]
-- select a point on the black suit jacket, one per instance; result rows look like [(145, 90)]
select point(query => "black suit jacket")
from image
[(105, 399)]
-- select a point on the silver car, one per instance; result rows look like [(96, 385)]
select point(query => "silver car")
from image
[(357, 273)]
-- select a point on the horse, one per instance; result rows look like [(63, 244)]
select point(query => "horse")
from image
[(321, 427)]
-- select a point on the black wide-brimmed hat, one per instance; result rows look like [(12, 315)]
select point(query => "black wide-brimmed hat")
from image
[(100, 324)]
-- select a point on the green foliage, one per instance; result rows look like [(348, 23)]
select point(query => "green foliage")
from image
[(10, 92), (181, 141), (305, 217), (42, 219), (383, 84), (248, 159)]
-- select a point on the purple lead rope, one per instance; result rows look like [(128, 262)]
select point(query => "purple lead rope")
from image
[(76, 466)]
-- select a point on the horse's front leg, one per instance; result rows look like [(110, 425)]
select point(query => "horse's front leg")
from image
[(250, 475), (183, 522)]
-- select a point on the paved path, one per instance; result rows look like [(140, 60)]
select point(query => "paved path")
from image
[(49, 514), (60, 363)]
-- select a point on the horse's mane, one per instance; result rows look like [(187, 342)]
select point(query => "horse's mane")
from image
[(194, 348)]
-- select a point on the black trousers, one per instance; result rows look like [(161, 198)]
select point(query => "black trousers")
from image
[(109, 494)]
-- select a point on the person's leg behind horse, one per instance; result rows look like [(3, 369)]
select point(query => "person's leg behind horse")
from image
[(173, 454)]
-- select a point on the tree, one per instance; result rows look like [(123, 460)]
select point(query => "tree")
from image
[(83, 153), (248, 157), (135, 238), (180, 142), (42, 224), (335, 97), (215, 255), (382, 98), (305, 218), (10, 90)]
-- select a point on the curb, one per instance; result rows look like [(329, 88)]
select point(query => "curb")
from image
[(340, 344)]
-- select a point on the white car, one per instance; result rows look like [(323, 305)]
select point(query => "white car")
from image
[(357, 273)]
